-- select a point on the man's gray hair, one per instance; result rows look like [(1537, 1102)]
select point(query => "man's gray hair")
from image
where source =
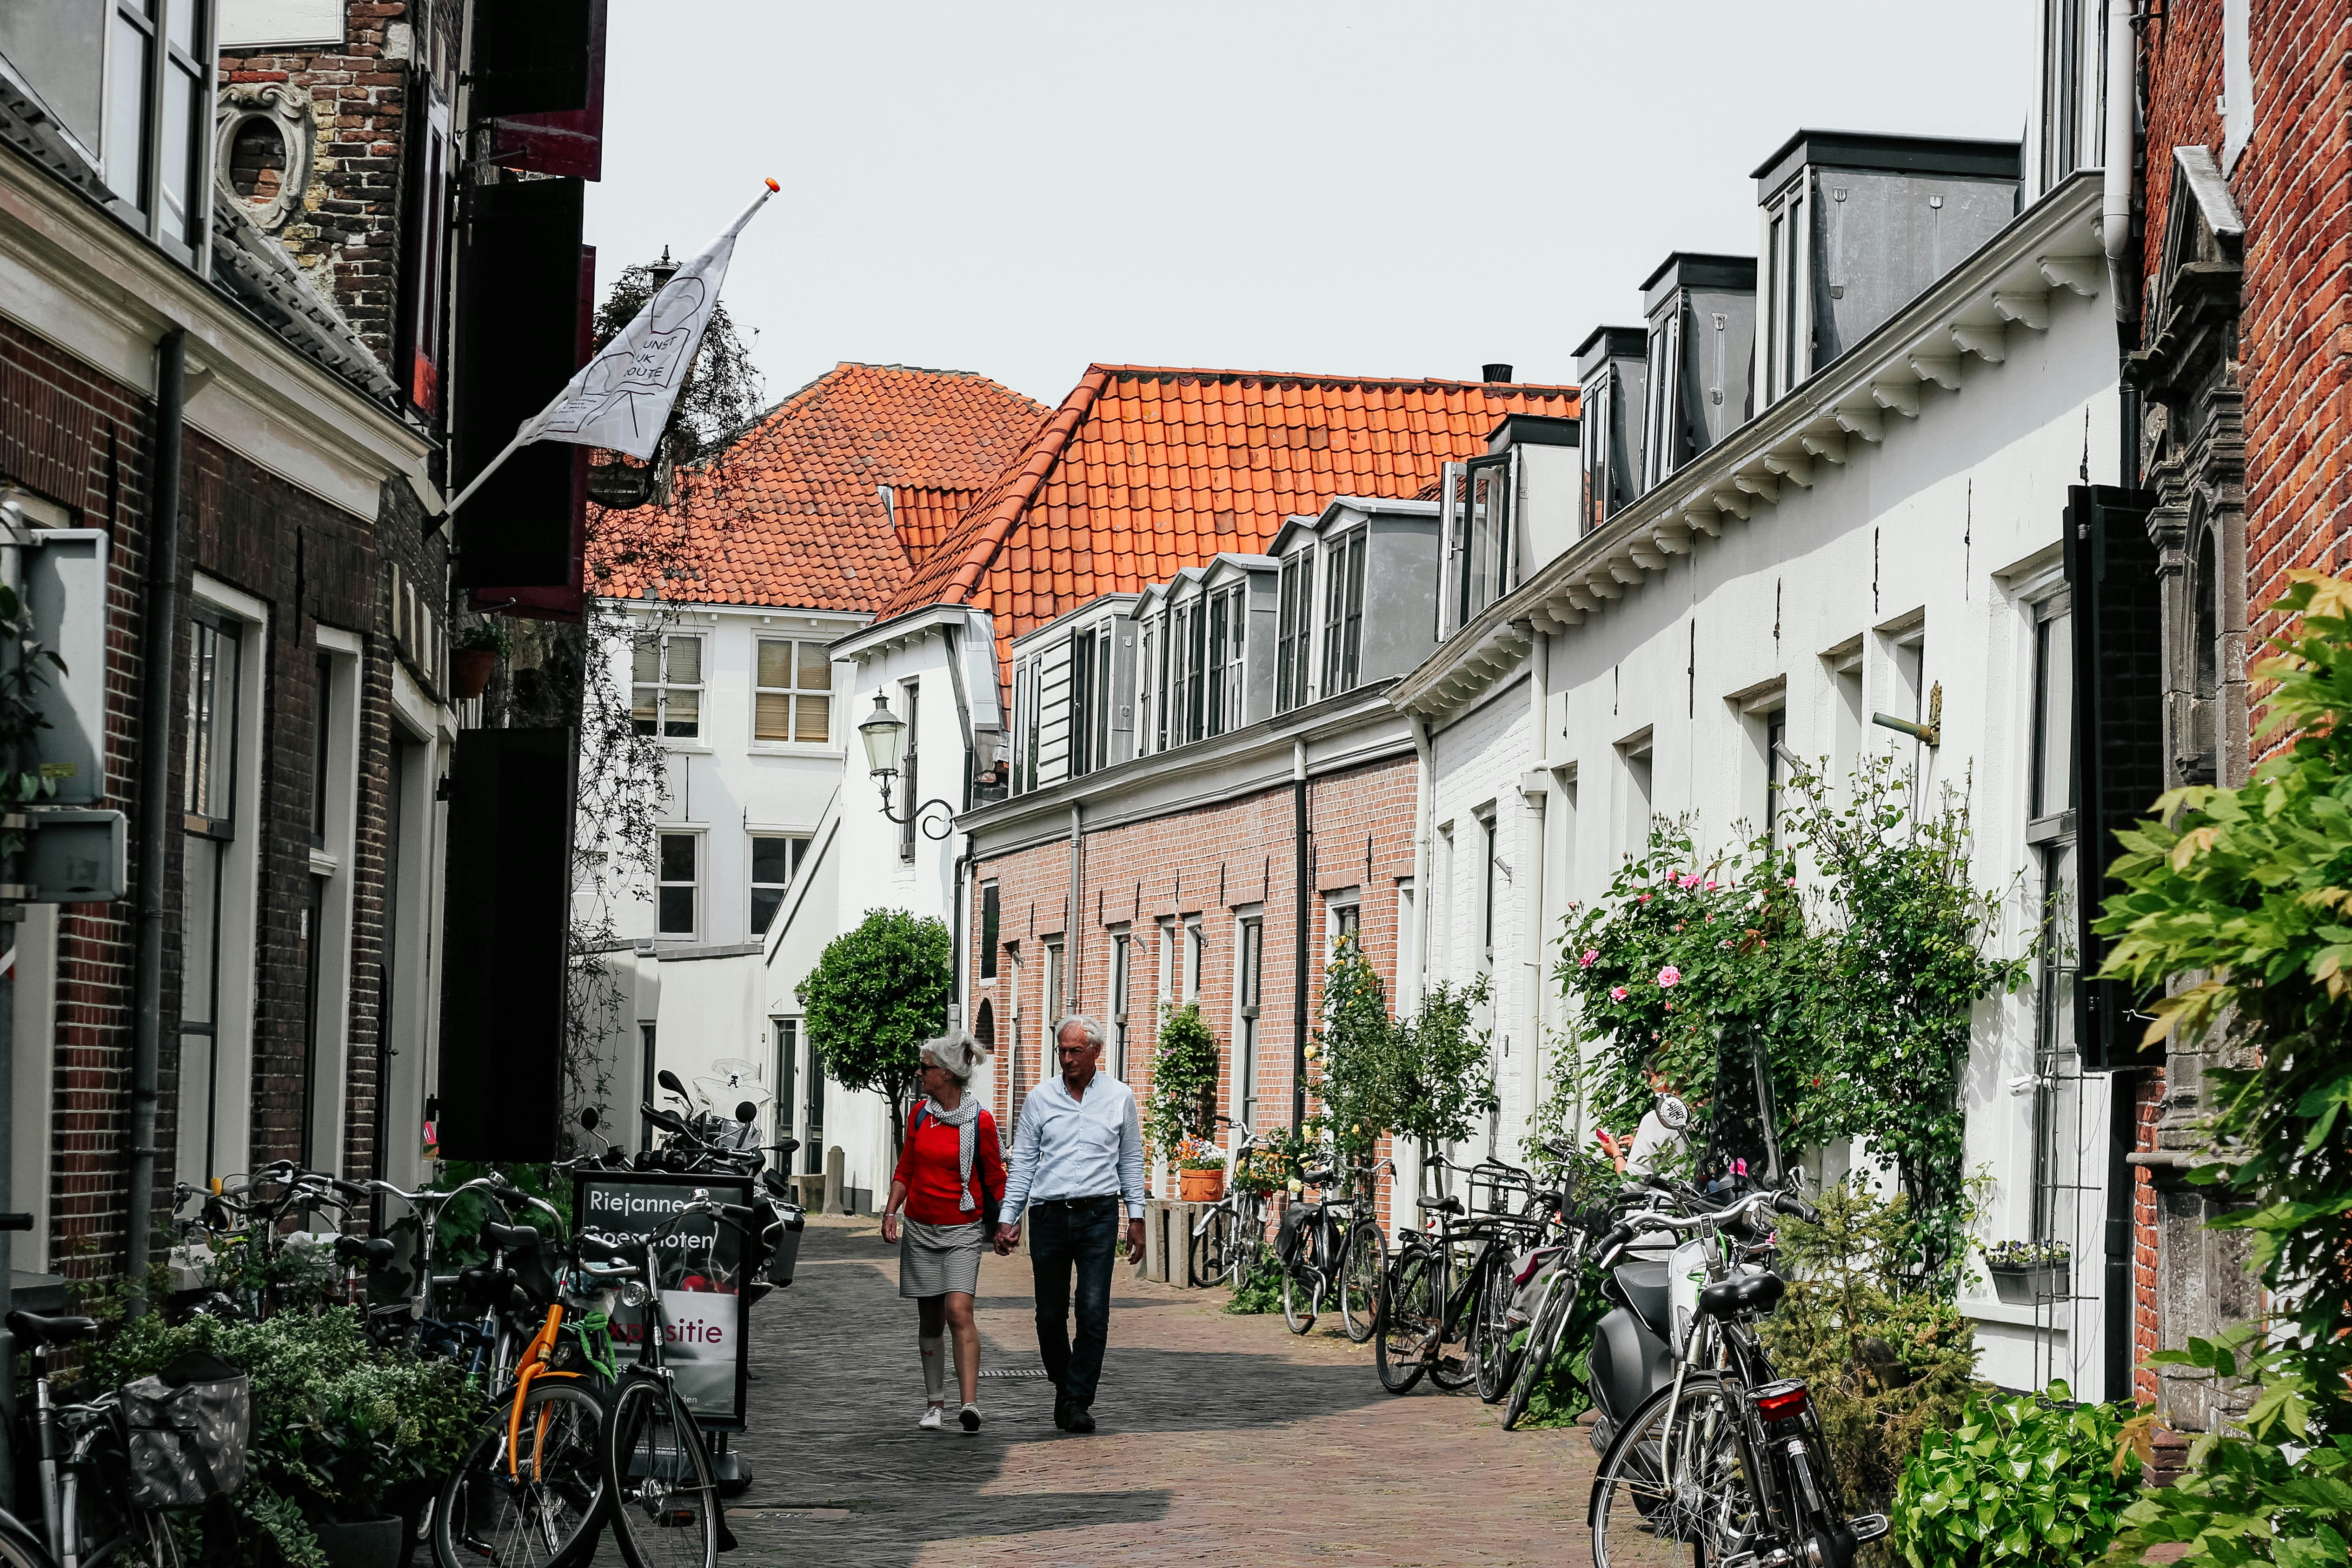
[(1092, 1030), (956, 1053)]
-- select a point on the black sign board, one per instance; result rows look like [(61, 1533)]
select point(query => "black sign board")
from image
[(699, 1268)]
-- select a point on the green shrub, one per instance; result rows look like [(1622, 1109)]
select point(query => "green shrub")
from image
[(1182, 1098), (1261, 1290), (1889, 1361), (2035, 1482), (340, 1430)]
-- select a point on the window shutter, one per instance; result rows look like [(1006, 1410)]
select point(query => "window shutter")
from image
[(502, 986), (2111, 578), (532, 57), (567, 142), (516, 345)]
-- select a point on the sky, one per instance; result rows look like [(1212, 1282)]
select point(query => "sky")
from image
[(1370, 188)]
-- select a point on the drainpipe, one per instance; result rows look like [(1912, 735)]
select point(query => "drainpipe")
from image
[(154, 786), (1534, 799), (1298, 988), (2115, 203), (1424, 816), (1070, 926)]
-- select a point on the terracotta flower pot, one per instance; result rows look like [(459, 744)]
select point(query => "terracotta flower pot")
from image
[(469, 671), (1200, 1186)]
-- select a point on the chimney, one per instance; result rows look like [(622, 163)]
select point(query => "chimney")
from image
[(1501, 372)]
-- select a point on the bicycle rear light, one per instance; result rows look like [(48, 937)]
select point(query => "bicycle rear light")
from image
[(1782, 1401)]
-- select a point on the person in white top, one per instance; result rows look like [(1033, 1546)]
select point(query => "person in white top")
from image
[(1077, 1159)]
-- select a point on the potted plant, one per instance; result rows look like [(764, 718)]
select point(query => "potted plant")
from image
[(479, 648), (2026, 1273), (1199, 1171)]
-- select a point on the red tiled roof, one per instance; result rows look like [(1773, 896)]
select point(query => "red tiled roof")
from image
[(1144, 471), (789, 513)]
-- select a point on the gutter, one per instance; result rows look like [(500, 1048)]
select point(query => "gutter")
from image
[(2116, 176), (158, 653)]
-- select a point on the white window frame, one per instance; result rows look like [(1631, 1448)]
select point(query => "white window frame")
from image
[(1249, 1007), (1338, 905), (329, 1067), (218, 1109), (1195, 957), (139, 192), (699, 885), (1121, 997), (1346, 565), (661, 686), (792, 696), (1293, 636), (1637, 785), (752, 930)]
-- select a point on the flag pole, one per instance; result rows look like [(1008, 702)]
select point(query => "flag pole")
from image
[(460, 499)]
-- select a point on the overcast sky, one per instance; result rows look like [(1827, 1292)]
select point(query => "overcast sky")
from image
[(1372, 188)]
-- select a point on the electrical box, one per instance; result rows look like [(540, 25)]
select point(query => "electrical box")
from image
[(76, 856), (65, 595)]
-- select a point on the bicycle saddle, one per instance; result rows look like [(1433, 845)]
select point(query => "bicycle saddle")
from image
[(32, 1329), (1441, 1206), (509, 1237), (1747, 1293), (371, 1249)]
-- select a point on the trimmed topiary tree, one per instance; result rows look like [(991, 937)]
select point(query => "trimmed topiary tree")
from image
[(877, 994)]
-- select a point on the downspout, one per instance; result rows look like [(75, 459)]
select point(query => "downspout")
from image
[(2115, 185), (956, 1013), (1534, 796), (1425, 816), (154, 786), (1299, 986), (1070, 925)]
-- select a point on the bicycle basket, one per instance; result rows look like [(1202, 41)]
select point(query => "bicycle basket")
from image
[(184, 1431)]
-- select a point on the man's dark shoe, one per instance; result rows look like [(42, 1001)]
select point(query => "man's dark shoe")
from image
[(1081, 1419), (1061, 1412)]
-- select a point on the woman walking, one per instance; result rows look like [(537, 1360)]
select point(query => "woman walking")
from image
[(950, 1179)]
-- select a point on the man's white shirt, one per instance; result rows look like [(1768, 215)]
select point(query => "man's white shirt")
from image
[(1075, 1148)]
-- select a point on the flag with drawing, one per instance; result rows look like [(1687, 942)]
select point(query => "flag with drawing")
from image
[(621, 398)]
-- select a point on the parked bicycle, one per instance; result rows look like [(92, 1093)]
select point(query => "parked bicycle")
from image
[(1727, 1464), (1446, 1285), (1230, 1234), (1331, 1246)]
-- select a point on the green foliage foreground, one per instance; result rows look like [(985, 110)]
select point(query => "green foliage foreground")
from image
[(2248, 894), (2027, 1480)]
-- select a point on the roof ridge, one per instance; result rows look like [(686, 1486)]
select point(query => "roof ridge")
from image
[(1503, 388), (1044, 453)]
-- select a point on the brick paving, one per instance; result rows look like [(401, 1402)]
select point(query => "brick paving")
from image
[(1221, 1439)]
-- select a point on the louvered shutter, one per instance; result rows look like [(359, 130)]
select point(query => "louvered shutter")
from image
[(2111, 577)]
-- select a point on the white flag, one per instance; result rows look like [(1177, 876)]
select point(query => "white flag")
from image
[(621, 398)]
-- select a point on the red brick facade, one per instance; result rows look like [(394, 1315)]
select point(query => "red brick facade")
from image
[(1206, 864)]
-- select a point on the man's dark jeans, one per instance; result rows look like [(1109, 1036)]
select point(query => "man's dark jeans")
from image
[(1063, 1237)]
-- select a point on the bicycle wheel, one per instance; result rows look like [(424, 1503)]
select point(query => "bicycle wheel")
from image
[(1454, 1367), (1211, 1251), (544, 1512), (1302, 1282), (1671, 1494), (1542, 1348), (1411, 1310), (1491, 1345), (664, 1504), (1249, 1235), (1360, 1274)]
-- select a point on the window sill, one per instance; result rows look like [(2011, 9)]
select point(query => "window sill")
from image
[(796, 749), (687, 748)]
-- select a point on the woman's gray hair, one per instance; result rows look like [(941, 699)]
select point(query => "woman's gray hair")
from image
[(955, 1053), (1092, 1030)]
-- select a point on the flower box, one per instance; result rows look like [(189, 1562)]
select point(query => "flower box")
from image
[(1200, 1186), (2032, 1287)]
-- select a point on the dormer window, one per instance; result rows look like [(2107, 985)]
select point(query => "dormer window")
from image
[(1293, 630), (1788, 270), (1343, 611), (1480, 538), (1228, 635)]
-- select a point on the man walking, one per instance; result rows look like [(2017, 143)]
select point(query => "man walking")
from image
[(1077, 1157)]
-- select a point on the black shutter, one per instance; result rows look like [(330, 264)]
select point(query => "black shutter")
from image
[(530, 57), (2111, 578), (516, 345), (503, 970)]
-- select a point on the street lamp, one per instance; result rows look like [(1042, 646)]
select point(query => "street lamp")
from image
[(885, 734)]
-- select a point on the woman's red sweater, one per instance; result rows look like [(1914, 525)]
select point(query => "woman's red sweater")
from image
[(929, 1163)]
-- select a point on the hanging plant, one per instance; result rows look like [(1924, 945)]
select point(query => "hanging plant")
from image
[(1182, 1104)]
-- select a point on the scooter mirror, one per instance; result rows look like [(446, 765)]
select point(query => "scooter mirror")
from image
[(745, 1111), (668, 1080), (588, 1119), (1795, 1181), (1673, 1112)]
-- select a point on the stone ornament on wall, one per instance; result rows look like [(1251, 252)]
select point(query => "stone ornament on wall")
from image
[(272, 108)]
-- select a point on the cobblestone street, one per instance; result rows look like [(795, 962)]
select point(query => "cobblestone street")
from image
[(1221, 1439)]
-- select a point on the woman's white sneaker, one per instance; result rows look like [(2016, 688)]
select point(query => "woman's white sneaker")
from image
[(931, 1413)]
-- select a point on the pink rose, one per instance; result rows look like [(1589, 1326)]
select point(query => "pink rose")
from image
[(1646, 899), (1669, 975), (1616, 993), (1710, 887), (1590, 953)]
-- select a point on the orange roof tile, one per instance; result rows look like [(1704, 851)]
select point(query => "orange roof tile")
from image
[(790, 512), (1143, 471)]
